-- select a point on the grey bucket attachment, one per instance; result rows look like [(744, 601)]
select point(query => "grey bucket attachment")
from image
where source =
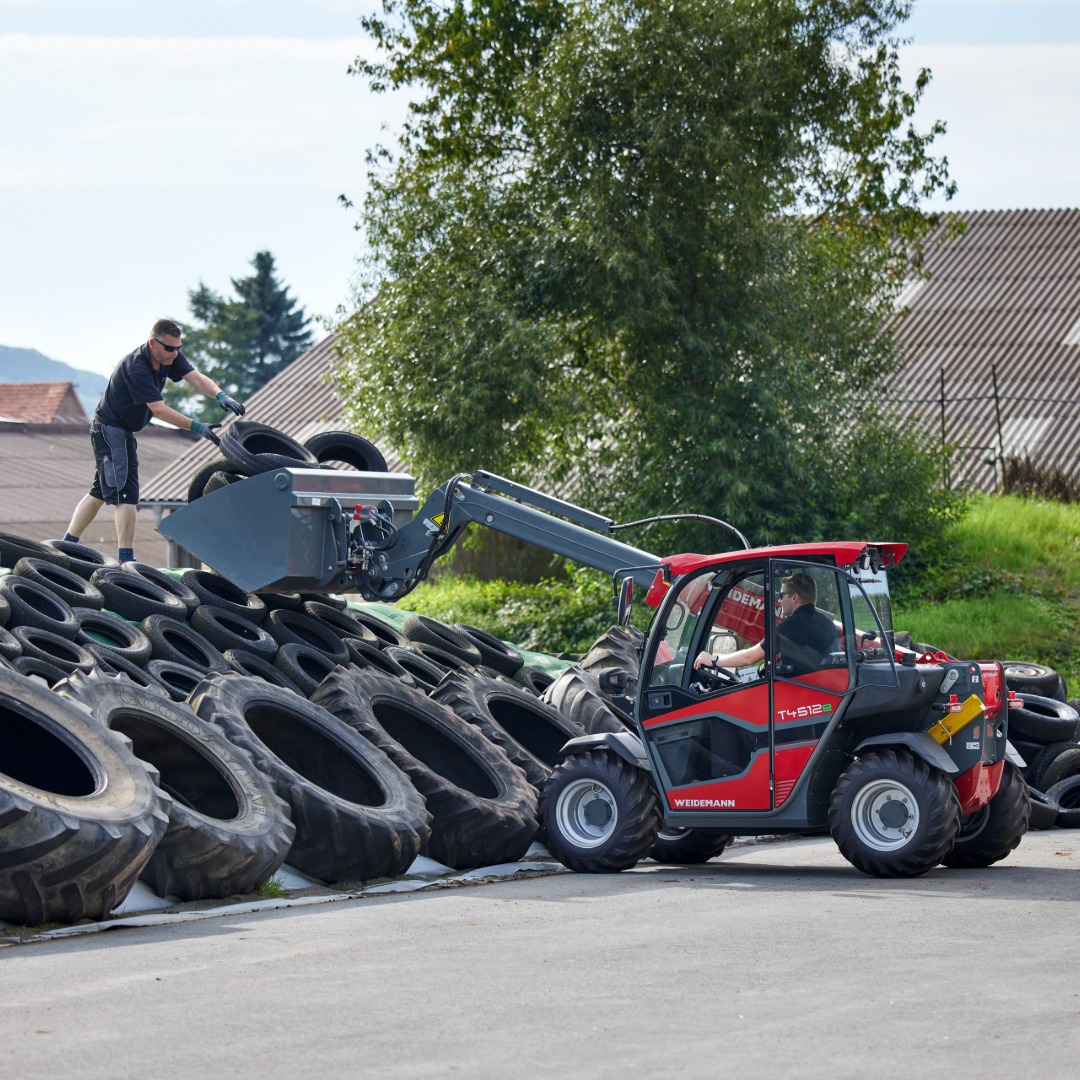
[(286, 529)]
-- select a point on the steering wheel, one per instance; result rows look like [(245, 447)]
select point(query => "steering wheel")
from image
[(713, 678)]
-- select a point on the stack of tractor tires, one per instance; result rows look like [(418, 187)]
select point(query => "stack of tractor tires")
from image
[(237, 732), (1045, 730)]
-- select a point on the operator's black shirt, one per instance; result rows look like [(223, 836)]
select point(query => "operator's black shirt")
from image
[(133, 384), (805, 637)]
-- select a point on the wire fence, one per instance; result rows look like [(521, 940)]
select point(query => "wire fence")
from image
[(1008, 429)]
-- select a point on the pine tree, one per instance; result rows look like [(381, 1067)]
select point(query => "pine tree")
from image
[(243, 342)]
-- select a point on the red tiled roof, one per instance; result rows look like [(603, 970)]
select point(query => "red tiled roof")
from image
[(41, 403)]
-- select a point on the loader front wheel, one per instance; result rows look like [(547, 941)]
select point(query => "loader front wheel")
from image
[(599, 813), (892, 815)]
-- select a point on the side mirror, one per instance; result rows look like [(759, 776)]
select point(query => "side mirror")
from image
[(613, 680), (625, 600)]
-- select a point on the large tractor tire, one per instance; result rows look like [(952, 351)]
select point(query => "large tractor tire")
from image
[(532, 733), (688, 847), (989, 834), (80, 816), (577, 695), (228, 830), (483, 808), (618, 647), (599, 813), (357, 815), (892, 815)]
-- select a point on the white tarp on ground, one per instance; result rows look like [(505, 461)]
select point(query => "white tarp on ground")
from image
[(142, 907)]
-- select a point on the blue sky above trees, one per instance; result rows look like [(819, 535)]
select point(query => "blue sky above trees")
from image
[(148, 147)]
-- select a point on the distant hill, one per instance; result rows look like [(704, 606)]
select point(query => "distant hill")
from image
[(28, 365)]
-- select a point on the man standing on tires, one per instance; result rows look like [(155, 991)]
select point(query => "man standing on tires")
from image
[(130, 401)]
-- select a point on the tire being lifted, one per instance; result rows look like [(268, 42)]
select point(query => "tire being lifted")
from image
[(228, 831), (483, 808), (79, 815), (357, 816)]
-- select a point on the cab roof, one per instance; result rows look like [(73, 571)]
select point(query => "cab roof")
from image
[(843, 552)]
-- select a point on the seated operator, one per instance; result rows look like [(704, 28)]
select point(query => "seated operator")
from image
[(804, 636)]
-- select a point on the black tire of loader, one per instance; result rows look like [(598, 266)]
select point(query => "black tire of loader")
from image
[(228, 830), (938, 810), (988, 835), (577, 695), (252, 448), (483, 809), (131, 596), (74, 590), (531, 733), (79, 815), (688, 847), (637, 816), (357, 815)]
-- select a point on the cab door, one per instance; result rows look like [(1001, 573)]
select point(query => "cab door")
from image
[(809, 682), (710, 744)]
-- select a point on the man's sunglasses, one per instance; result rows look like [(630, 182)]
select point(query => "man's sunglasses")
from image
[(167, 348)]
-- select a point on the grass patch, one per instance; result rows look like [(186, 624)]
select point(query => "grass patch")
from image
[(273, 889), (1005, 585)]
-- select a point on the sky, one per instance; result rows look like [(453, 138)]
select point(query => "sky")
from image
[(150, 145)]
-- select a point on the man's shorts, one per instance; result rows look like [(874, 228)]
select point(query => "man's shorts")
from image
[(117, 476)]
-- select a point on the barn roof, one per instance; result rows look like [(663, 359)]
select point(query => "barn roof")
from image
[(992, 343)]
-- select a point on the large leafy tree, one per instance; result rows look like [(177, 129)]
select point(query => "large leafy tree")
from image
[(652, 244), (244, 341)]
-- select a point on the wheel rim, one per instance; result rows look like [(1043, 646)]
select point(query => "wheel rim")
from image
[(885, 815), (587, 813)]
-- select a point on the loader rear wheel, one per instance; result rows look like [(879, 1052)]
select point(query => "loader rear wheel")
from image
[(989, 834), (599, 813), (687, 847), (892, 815)]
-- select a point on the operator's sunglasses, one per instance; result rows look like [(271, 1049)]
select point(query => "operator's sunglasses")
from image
[(167, 348), (782, 593)]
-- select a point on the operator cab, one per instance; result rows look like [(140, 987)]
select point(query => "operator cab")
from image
[(747, 664)]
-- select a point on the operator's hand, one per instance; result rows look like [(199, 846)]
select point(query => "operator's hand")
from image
[(231, 404), (206, 431), (704, 660)]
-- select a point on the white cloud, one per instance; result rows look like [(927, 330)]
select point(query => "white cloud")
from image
[(217, 111)]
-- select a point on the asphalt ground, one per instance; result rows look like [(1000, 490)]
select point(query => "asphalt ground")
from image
[(776, 960)]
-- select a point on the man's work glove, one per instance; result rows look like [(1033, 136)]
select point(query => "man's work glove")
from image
[(229, 403), (206, 431)]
